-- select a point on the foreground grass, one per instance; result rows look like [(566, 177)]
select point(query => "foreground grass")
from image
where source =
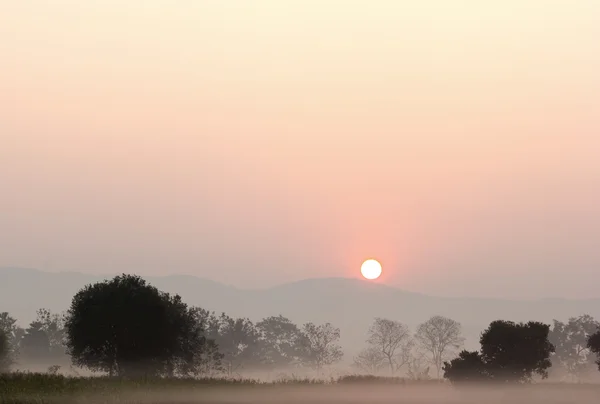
[(45, 388), (30, 388)]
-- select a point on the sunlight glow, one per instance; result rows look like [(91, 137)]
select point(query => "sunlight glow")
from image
[(371, 269)]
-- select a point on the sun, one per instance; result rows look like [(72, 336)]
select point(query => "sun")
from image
[(371, 269)]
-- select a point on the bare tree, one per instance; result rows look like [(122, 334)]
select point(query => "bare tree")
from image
[(439, 337), (319, 345), (369, 360), (416, 366), (392, 339)]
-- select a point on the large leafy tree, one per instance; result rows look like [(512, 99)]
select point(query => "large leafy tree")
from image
[(279, 341), (468, 367), (570, 340), (516, 351), (439, 337), (510, 352), (126, 327)]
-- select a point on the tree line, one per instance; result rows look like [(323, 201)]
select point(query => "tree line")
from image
[(125, 327)]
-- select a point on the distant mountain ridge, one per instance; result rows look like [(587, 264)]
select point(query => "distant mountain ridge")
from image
[(350, 304)]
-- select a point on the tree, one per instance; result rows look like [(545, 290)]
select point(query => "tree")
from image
[(279, 341), (439, 337), (43, 340), (192, 350), (319, 345), (126, 327), (369, 360), (514, 352), (417, 369), (35, 345), (468, 367), (12, 333), (208, 360), (5, 360), (510, 352), (237, 340), (393, 340), (8, 324), (593, 344), (570, 340), (54, 326)]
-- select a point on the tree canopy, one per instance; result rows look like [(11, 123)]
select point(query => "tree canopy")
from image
[(516, 351), (510, 352), (11, 333), (279, 341), (126, 327), (570, 339), (4, 352), (467, 367), (593, 344)]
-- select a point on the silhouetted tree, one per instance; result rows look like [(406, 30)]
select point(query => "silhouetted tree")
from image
[(54, 326), (13, 334), (279, 341), (35, 345), (393, 340), (440, 337), (593, 344), (5, 360), (8, 324), (126, 327), (207, 361), (515, 351), (319, 345), (192, 348), (468, 367), (237, 340), (370, 360), (571, 345), (510, 352)]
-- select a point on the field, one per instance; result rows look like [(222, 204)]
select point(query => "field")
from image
[(48, 389)]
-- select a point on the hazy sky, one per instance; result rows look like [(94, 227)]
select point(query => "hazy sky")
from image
[(259, 142)]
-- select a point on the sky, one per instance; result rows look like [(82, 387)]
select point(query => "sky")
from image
[(267, 141)]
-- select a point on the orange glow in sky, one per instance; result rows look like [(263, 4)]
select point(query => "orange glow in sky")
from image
[(264, 141)]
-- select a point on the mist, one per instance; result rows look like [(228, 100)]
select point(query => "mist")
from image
[(188, 191)]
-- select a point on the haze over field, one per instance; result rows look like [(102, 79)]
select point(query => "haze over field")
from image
[(349, 304), (328, 201), (257, 143)]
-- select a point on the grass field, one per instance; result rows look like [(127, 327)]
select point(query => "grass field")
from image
[(46, 389)]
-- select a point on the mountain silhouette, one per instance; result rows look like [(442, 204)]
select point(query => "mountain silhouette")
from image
[(350, 304)]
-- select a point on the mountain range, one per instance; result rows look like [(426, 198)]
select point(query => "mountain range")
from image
[(350, 304)]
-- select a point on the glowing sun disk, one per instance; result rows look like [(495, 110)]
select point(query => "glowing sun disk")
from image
[(371, 269)]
